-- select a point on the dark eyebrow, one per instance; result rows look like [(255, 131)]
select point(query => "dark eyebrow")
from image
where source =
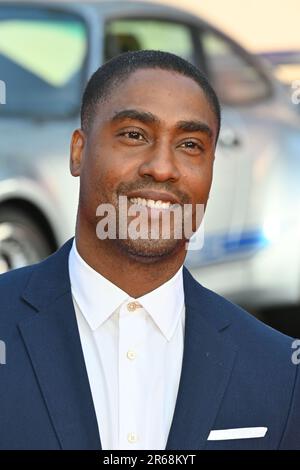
[(143, 116), (194, 126), (148, 118)]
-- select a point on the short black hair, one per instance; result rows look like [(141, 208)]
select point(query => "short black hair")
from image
[(119, 68)]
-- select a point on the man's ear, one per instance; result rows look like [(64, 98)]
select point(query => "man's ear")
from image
[(76, 151)]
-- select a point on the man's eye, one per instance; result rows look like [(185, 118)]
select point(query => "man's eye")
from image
[(190, 145), (133, 135)]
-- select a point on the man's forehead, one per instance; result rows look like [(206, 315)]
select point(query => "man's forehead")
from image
[(147, 83), (146, 94), (159, 78)]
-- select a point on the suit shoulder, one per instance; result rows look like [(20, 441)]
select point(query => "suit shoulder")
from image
[(12, 284), (245, 329), (15, 279)]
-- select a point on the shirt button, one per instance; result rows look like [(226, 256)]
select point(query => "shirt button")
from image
[(132, 306), (131, 354), (132, 437)]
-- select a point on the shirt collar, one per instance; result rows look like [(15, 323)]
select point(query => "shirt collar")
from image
[(165, 303), (98, 298)]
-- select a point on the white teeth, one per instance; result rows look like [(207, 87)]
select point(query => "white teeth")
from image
[(150, 203), (133, 200)]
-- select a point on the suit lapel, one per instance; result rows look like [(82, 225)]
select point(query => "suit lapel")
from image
[(207, 363), (53, 344)]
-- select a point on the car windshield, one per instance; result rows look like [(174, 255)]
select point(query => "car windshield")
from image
[(41, 64)]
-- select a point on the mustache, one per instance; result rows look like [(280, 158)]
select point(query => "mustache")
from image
[(124, 188)]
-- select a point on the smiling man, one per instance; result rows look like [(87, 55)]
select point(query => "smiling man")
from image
[(110, 342)]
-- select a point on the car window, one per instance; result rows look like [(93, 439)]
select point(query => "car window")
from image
[(135, 34), (41, 61), (234, 78)]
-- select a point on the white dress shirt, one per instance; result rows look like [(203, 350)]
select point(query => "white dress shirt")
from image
[(133, 351)]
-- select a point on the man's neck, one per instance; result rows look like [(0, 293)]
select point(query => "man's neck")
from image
[(133, 275)]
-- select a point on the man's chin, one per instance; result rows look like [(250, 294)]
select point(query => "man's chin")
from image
[(150, 251)]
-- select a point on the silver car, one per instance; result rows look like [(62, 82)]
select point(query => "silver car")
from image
[(251, 252)]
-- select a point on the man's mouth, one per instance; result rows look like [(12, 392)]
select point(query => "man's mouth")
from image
[(151, 203), (153, 199)]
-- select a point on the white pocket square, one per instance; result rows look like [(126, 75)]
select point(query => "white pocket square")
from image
[(236, 433)]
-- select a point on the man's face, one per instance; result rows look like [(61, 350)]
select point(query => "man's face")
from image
[(154, 139)]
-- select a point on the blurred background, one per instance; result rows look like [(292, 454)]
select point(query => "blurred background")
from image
[(250, 52), (267, 28), (260, 25)]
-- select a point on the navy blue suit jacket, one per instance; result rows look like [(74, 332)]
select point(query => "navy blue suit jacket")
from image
[(236, 372)]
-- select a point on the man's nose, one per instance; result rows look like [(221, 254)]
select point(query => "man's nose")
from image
[(160, 163)]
